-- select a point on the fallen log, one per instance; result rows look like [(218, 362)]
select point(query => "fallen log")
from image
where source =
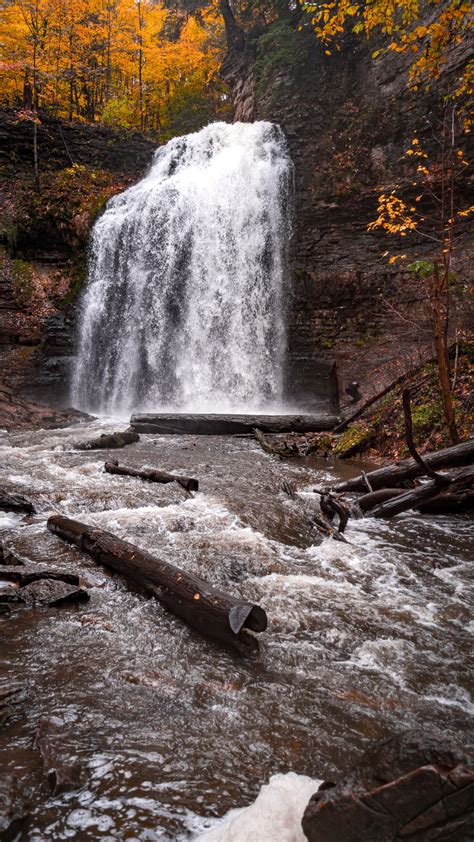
[(449, 504), (210, 611), (391, 475), (223, 425), (331, 506), (368, 501), (151, 475), (413, 498)]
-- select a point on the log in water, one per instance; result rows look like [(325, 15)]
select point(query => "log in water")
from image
[(151, 475), (450, 457), (210, 611), (223, 425)]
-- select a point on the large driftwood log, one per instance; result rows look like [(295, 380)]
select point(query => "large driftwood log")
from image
[(391, 475), (151, 475), (413, 498), (221, 425), (449, 504), (207, 609)]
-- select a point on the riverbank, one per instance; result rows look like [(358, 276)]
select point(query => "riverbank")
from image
[(378, 433)]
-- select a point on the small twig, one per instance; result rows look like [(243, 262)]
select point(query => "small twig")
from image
[(366, 480), (456, 358)]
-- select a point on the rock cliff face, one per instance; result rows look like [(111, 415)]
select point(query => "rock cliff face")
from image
[(44, 235), (348, 120)]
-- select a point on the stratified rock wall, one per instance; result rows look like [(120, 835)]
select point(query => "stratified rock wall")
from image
[(44, 237), (348, 120)]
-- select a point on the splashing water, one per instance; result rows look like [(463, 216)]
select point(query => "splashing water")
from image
[(185, 305)]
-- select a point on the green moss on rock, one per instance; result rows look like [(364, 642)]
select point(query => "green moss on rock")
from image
[(354, 440)]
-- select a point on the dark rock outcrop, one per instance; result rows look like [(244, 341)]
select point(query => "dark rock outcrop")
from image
[(62, 143), (10, 502), (413, 786), (20, 413)]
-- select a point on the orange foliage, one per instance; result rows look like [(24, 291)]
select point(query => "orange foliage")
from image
[(133, 63)]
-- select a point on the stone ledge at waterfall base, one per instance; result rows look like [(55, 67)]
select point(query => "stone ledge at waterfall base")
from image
[(223, 425)]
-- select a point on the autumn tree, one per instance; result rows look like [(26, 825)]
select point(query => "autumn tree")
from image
[(127, 62), (438, 217)]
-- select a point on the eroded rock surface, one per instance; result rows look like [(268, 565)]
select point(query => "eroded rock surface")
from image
[(62, 772), (413, 786)]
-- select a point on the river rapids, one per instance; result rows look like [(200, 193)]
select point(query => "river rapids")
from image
[(364, 640)]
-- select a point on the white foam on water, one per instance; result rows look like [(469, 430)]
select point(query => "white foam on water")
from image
[(275, 815)]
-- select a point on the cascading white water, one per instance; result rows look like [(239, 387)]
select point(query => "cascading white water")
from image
[(185, 304)]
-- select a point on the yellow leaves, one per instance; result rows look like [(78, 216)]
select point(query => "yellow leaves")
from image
[(97, 58), (466, 211), (427, 42), (394, 216)]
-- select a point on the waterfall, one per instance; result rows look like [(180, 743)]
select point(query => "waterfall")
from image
[(184, 309)]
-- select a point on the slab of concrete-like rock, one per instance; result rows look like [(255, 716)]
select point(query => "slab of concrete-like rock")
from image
[(221, 425), (414, 786), (109, 441), (11, 694), (51, 592), (10, 502), (25, 574), (62, 773)]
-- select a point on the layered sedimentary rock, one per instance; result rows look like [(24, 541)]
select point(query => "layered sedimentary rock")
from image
[(348, 120)]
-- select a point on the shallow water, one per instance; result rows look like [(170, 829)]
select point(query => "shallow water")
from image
[(364, 639)]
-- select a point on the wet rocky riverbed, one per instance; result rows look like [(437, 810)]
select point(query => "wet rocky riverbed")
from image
[(172, 731)]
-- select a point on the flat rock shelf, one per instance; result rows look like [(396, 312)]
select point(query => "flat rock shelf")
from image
[(221, 425)]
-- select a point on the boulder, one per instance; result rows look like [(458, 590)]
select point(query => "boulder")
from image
[(15, 503), (63, 773), (109, 441), (414, 786)]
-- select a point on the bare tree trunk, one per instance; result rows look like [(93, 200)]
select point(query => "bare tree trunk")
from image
[(440, 347), (140, 64), (35, 155)]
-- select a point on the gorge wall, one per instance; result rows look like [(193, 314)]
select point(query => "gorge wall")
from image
[(348, 120), (44, 234)]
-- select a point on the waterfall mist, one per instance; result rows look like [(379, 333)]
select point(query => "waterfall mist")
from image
[(185, 304)]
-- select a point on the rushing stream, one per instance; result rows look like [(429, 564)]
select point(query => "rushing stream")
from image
[(364, 639), (185, 305)]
